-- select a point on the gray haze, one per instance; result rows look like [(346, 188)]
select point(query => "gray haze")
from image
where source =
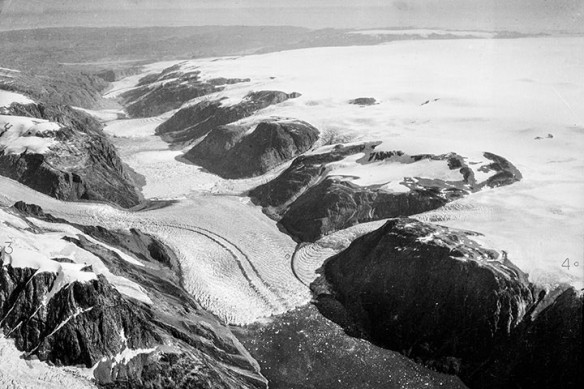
[(516, 15)]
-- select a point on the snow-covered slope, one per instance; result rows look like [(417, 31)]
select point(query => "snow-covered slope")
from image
[(28, 249), (18, 134)]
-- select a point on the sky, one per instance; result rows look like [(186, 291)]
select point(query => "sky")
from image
[(512, 15)]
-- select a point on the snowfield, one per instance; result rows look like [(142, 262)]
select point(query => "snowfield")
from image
[(518, 98), (390, 172)]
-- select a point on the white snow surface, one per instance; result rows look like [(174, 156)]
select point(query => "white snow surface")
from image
[(390, 173), (22, 134), (7, 97), (466, 96), (128, 354), (105, 115), (19, 373)]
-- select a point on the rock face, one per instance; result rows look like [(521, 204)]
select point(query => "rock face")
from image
[(310, 201), (230, 153), (168, 90), (82, 165), (172, 343), (438, 297), (196, 121), (79, 325)]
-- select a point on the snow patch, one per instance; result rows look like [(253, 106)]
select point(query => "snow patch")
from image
[(128, 354), (388, 171), (19, 134), (7, 98)]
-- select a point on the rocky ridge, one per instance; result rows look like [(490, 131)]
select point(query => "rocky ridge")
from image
[(232, 152), (440, 298), (195, 121)]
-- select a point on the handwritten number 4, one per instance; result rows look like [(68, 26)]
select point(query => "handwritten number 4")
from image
[(566, 263)]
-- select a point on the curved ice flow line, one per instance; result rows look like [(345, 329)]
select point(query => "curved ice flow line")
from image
[(247, 268), (307, 259), (293, 267)]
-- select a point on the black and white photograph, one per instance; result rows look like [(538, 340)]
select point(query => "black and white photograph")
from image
[(308, 194)]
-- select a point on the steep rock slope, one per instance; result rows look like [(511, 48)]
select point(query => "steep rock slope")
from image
[(439, 297), (62, 311), (168, 90), (63, 153), (232, 153), (346, 185), (193, 122)]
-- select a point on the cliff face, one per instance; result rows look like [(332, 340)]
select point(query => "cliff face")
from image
[(80, 164), (168, 342), (438, 297), (193, 122), (231, 153)]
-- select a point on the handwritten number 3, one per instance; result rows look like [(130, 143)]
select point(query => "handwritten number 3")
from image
[(8, 247)]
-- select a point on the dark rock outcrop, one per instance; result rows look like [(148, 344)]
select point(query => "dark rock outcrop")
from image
[(334, 205), (363, 101), (168, 90), (309, 202), (230, 153), (440, 298), (91, 324), (111, 75), (83, 165), (196, 121), (306, 170)]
